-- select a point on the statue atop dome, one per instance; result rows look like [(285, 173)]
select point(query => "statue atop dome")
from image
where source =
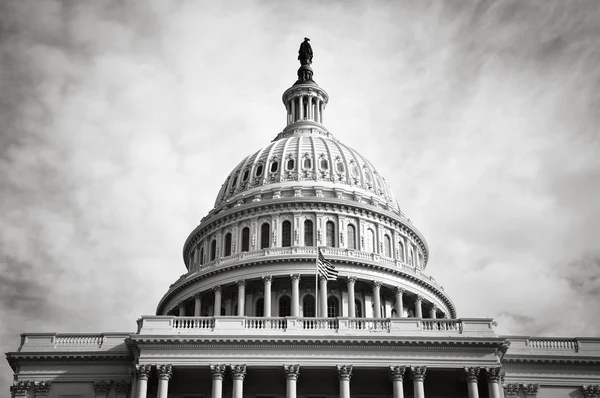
[(305, 56)]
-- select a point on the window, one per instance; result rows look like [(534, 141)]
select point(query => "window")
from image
[(330, 234), (213, 249), (351, 236), (358, 313), (340, 167), (285, 306), (234, 183), (246, 175), (370, 243), (387, 246), (259, 308), (228, 244), (246, 239), (307, 163), (286, 234), (332, 307), (400, 251), (274, 167), (259, 170), (368, 177), (308, 233), (324, 164), (291, 164), (201, 256), (354, 170), (308, 306), (265, 230)]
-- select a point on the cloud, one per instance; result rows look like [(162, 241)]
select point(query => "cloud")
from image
[(120, 121)]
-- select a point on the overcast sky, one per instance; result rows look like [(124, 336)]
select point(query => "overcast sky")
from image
[(119, 121)]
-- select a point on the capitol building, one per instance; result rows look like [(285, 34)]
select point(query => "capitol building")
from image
[(253, 316)]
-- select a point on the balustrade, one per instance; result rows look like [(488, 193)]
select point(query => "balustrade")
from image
[(553, 344)]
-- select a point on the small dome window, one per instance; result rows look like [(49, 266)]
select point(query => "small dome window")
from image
[(274, 167), (234, 183), (368, 177), (259, 170), (355, 171), (340, 167), (308, 163), (291, 163), (246, 175), (324, 164)]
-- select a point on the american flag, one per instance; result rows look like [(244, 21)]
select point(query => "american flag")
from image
[(326, 269)]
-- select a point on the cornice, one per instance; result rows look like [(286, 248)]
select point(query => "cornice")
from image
[(567, 360), (17, 358)]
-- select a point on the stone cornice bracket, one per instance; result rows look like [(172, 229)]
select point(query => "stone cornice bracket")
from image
[(397, 373), (238, 372), (20, 388), (102, 387), (472, 374), (531, 390), (267, 278), (142, 371), (164, 371), (122, 387), (351, 280), (502, 349), (295, 278), (217, 371), (493, 374), (591, 391), (291, 371), (344, 372), (511, 390), (418, 372)]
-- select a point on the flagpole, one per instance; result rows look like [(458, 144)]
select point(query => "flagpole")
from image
[(317, 282)]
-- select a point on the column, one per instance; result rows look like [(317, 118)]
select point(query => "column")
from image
[(197, 304), (318, 110), (493, 379), (322, 296), (376, 299), (291, 376), (472, 374), (181, 310), (418, 374), (418, 307), (241, 297), (351, 299), (142, 372), (217, 372), (267, 295), (399, 302), (101, 389), (344, 375), (432, 311), (397, 376), (301, 107), (164, 373), (238, 372), (293, 105), (217, 307), (42, 388), (310, 110), (295, 295), (122, 388)]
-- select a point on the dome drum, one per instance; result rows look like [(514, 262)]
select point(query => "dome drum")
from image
[(305, 102)]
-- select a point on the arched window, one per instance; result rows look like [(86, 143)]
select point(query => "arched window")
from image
[(259, 307), (324, 164), (400, 251), (265, 231), (213, 249), (370, 241), (332, 307), (246, 239), (274, 167), (308, 233), (246, 175), (351, 231), (228, 244), (259, 170), (330, 234), (286, 234), (340, 167), (387, 246), (358, 312), (410, 256), (307, 163), (290, 164), (308, 306), (285, 306), (201, 255)]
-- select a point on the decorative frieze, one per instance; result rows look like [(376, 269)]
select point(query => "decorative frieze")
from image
[(291, 371), (418, 373), (217, 371), (472, 374), (397, 373), (344, 372)]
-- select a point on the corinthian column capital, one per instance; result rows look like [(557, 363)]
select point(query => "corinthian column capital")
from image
[(531, 390), (238, 372), (291, 371), (418, 372), (397, 373), (472, 374), (142, 371), (217, 371), (267, 279), (295, 277), (493, 374), (351, 280), (164, 371), (344, 372)]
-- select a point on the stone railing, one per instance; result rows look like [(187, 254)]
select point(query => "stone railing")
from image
[(553, 344), (41, 342), (240, 325)]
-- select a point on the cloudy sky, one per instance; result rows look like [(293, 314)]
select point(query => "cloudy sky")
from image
[(119, 121)]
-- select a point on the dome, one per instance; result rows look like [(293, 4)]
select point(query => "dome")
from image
[(305, 158)]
